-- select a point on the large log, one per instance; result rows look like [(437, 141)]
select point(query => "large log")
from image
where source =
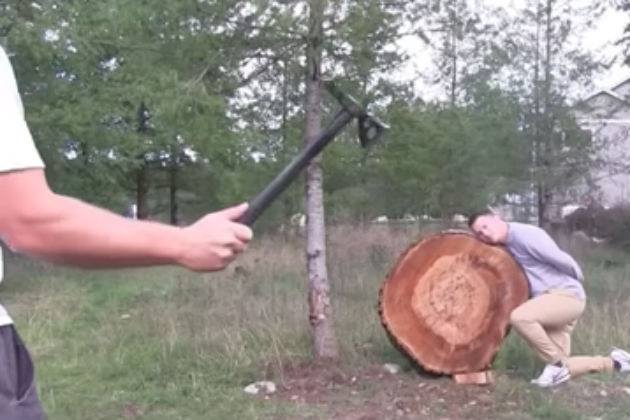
[(446, 303)]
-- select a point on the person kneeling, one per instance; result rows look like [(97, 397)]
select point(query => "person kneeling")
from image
[(557, 299)]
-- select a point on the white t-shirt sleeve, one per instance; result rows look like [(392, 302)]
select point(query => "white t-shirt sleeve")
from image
[(17, 149)]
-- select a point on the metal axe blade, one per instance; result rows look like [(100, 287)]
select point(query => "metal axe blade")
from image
[(370, 127)]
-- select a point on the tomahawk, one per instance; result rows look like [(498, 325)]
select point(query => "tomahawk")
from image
[(370, 129)]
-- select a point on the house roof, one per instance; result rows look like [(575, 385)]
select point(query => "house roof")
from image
[(610, 92), (618, 85)]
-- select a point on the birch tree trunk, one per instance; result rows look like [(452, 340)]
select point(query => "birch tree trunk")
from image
[(320, 308)]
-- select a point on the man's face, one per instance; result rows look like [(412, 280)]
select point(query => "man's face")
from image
[(490, 228)]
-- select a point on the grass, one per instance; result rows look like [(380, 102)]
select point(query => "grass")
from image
[(545, 408), (166, 343)]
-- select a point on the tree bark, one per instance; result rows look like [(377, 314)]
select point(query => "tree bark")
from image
[(320, 308), (540, 188), (454, 30), (172, 187), (142, 174), (547, 150), (142, 191)]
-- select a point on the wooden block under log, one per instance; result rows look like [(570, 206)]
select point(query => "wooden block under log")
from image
[(446, 303), (485, 377)]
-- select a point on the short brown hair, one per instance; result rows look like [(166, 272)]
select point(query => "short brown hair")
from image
[(476, 215)]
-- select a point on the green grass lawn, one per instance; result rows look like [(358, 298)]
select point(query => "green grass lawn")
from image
[(165, 343)]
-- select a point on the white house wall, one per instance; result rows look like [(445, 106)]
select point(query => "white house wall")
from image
[(607, 115)]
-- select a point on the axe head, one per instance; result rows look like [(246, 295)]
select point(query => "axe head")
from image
[(370, 127)]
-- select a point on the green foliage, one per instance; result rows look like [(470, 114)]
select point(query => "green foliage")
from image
[(447, 160), (225, 80)]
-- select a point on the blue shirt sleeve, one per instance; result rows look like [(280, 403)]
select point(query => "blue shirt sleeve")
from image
[(545, 249)]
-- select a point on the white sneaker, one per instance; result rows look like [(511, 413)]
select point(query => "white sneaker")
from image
[(622, 357), (551, 376)]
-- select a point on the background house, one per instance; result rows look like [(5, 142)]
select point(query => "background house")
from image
[(606, 114)]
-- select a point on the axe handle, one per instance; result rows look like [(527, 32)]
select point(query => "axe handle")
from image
[(289, 173)]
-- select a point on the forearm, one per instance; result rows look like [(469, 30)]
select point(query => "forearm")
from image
[(66, 230)]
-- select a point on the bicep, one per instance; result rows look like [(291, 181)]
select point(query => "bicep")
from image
[(22, 193)]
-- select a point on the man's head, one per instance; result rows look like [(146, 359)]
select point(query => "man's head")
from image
[(488, 226)]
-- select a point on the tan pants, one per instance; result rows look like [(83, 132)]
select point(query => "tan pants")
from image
[(546, 323)]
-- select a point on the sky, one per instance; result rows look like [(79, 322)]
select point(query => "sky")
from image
[(600, 40)]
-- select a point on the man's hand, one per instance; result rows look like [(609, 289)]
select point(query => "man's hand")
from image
[(212, 242)]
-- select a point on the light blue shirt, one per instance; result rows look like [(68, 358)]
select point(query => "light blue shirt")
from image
[(545, 264)]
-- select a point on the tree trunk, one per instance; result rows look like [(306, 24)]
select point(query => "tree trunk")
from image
[(547, 136), (320, 316), (142, 191), (537, 138), (287, 199), (454, 55), (446, 304), (142, 174), (172, 186)]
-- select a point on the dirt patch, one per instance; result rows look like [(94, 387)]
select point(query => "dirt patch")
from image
[(372, 393)]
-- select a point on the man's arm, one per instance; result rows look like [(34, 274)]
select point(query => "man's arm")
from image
[(38, 222), (545, 249)]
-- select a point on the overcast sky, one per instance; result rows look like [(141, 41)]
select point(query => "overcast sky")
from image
[(600, 40)]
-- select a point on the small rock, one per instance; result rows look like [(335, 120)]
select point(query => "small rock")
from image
[(473, 402), (392, 368), (294, 397), (626, 390), (353, 379), (399, 412), (603, 393), (125, 316), (422, 384), (266, 387)]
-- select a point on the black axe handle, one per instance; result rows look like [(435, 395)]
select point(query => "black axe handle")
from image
[(290, 172)]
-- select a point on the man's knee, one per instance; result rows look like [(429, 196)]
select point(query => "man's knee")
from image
[(519, 317)]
